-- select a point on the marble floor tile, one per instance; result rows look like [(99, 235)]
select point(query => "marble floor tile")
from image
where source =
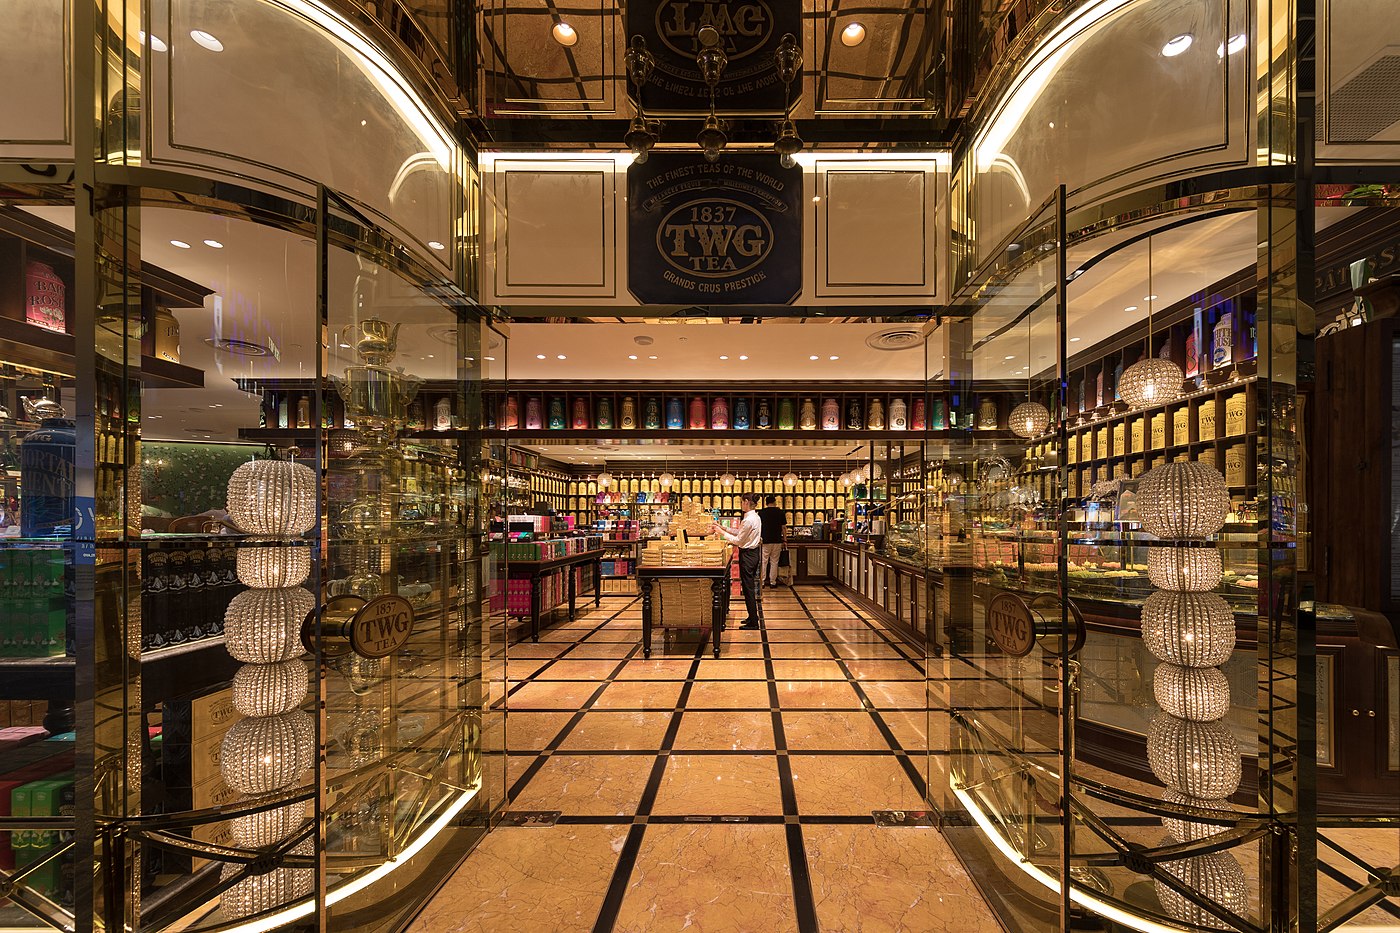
[(718, 694), (800, 650), (710, 878), (618, 731), (833, 731), (730, 649), (784, 636), (528, 649), (817, 694), (605, 649), (656, 669), (731, 669), (868, 652), (747, 731), (806, 669), (567, 668), (720, 785), (910, 729), (847, 785), (875, 880), (526, 880), (640, 695), (525, 667), (531, 731), (587, 785), (883, 670), (896, 694), (551, 695)]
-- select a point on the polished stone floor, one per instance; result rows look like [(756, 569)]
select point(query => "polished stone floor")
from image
[(715, 795)]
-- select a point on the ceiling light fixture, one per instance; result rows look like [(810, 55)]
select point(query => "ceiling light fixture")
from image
[(651, 357), (1152, 380), (434, 244), (1131, 308), (180, 243), (539, 356), (156, 42), (631, 356), (1178, 44), (742, 356), (213, 244), (206, 40), (562, 357), (813, 357), (1236, 44), (834, 358), (565, 34), (724, 357), (853, 35)]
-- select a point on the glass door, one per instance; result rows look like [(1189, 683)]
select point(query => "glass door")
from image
[(998, 730)]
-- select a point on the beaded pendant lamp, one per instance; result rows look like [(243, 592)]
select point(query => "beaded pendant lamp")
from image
[(1152, 380), (1030, 418)]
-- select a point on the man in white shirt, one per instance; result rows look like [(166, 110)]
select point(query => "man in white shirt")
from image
[(749, 540)]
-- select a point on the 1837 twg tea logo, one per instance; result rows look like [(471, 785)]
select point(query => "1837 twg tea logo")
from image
[(716, 238), (726, 232)]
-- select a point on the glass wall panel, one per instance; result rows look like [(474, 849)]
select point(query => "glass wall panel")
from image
[(992, 507), (34, 113)]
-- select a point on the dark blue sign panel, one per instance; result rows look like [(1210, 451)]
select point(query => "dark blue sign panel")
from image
[(725, 232), (750, 32)]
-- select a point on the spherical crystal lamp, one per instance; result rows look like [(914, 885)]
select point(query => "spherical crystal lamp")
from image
[(273, 567), (270, 689), (1217, 877), (727, 480), (1200, 694), (267, 827), (1184, 569), (262, 754), (1200, 759), (789, 479), (263, 626), (1183, 500), (1152, 381), (1030, 419), (1192, 830), (666, 480), (272, 497), (260, 894), (1191, 629)]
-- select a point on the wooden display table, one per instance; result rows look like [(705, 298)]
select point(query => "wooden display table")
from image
[(537, 570), (718, 578)]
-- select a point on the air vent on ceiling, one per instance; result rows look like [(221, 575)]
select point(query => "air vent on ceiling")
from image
[(239, 347), (1367, 104), (444, 333), (895, 338)]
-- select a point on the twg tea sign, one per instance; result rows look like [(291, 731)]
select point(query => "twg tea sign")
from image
[(725, 232), (750, 32)]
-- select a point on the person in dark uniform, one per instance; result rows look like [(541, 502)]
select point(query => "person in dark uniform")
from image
[(774, 521)]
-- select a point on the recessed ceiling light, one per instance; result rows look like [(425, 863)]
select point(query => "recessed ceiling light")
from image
[(853, 35), (651, 357), (180, 243), (206, 40), (742, 356), (1235, 44), (724, 357), (157, 43), (813, 357), (1150, 298), (1008, 357), (564, 34), (489, 359), (1075, 339), (834, 357), (430, 356), (562, 357), (1131, 308), (539, 356), (434, 244), (213, 244), (1178, 44)]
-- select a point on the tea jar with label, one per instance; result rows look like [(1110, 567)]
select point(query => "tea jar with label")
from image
[(627, 418), (697, 413), (764, 417), (785, 414), (807, 419), (604, 421), (651, 414), (899, 415), (534, 417), (741, 414), (831, 415), (719, 413), (580, 416), (876, 420)]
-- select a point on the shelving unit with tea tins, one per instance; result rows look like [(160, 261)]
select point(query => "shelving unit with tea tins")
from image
[(749, 409), (1209, 425)]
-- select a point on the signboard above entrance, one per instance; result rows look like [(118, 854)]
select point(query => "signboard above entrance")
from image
[(750, 32), (723, 232)]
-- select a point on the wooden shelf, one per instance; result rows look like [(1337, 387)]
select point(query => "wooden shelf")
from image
[(33, 346)]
